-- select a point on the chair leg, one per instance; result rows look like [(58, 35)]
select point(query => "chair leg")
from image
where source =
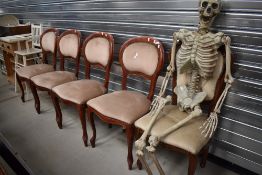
[(204, 157), (81, 111), (130, 139), (139, 164), (93, 126), (21, 87), (36, 98), (137, 136), (26, 90), (192, 164), (58, 112)]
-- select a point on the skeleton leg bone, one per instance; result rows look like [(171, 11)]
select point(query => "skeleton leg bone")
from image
[(140, 143), (145, 165), (156, 162)]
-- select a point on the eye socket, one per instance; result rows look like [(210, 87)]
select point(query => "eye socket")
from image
[(204, 4), (214, 5)]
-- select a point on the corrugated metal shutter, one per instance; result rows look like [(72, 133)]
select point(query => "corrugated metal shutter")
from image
[(239, 135)]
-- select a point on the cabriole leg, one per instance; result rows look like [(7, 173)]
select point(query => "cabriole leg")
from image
[(36, 98), (57, 110), (130, 139), (92, 123), (81, 111), (21, 87)]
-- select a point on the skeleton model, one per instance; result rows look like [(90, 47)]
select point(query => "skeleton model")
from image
[(196, 60)]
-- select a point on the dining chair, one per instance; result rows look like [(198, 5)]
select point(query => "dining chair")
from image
[(142, 57), (68, 48), (48, 46), (97, 50), (188, 138), (32, 52)]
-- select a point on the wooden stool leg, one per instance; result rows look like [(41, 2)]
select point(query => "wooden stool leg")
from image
[(26, 85), (130, 139), (16, 61)]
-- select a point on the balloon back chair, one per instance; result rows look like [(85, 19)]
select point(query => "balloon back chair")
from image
[(141, 56), (97, 51), (68, 47), (48, 45), (188, 138)]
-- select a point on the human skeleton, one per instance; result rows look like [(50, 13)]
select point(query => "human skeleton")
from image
[(196, 60)]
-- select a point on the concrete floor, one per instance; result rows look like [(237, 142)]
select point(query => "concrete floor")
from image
[(48, 150)]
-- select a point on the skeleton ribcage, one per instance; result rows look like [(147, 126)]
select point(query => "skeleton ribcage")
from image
[(198, 51)]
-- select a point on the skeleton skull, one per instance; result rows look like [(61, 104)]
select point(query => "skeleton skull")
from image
[(208, 10)]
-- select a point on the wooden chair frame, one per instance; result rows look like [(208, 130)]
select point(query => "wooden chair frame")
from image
[(211, 105), (35, 87), (45, 53), (129, 127), (81, 107)]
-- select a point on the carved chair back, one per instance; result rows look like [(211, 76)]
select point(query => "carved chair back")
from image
[(98, 51), (69, 45), (48, 44), (219, 83), (142, 56)]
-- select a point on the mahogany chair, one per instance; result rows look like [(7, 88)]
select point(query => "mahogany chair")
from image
[(68, 47), (48, 45), (97, 51), (141, 56), (188, 138)]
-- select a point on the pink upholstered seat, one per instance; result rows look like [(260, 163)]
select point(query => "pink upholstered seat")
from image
[(126, 106), (33, 70), (52, 79), (80, 91)]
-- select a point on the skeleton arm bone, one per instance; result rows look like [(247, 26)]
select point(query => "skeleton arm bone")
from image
[(227, 41), (170, 68), (210, 125)]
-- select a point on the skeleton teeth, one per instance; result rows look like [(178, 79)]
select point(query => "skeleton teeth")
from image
[(206, 18)]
